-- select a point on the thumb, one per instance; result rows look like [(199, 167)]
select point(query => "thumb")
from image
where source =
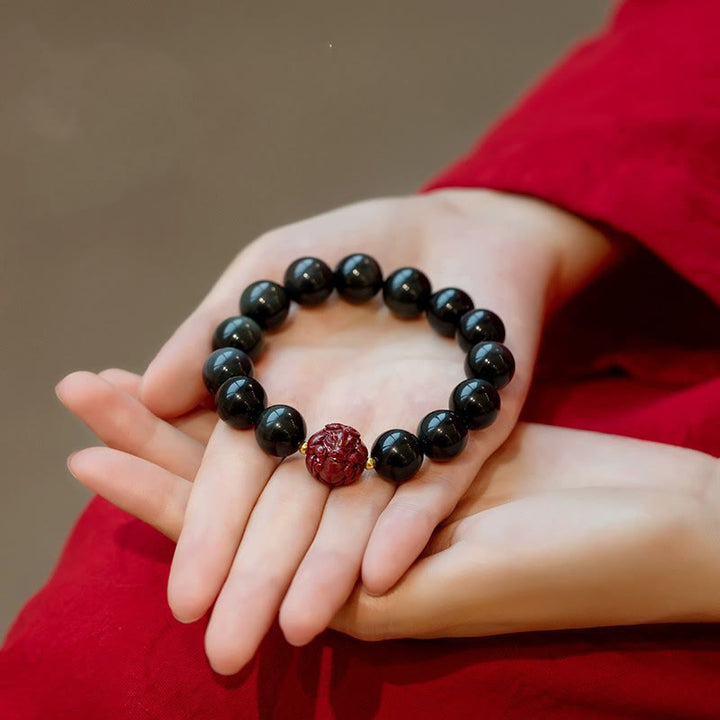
[(172, 384), (427, 602)]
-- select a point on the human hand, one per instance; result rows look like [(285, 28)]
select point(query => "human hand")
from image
[(277, 533), (560, 529)]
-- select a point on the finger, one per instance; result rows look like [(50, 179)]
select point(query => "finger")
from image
[(423, 601), (123, 380), (330, 568), (230, 479), (198, 423), (420, 504), (278, 533), (417, 507), (172, 383), (136, 486), (123, 422)]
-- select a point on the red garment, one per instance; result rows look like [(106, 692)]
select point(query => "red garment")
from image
[(626, 132)]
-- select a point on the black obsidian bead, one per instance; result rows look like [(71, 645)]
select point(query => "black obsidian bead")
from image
[(478, 325), (445, 308), (490, 361), (240, 332), (406, 292), (240, 401), (280, 430), (442, 434), (309, 281), (477, 402), (266, 303), (397, 455), (358, 278), (223, 364)]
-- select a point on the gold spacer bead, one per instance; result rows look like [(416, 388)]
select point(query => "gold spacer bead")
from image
[(370, 464), (303, 448)]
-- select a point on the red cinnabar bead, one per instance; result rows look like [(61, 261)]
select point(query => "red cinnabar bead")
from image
[(336, 455)]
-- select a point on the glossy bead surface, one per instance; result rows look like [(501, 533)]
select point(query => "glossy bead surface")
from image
[(406, 292), (358, 278), (490, 361), (309, 281), (336, 455), (478, 325), (280, 430), (240, 401), (445, 308), (223, 364), (442, 434), (476, 402), (240, 332), (266, 303), (397, 455)]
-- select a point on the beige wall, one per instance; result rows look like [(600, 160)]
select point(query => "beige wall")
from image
[(141, 144)]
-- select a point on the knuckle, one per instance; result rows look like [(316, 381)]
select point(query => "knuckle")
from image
[(421, 512), (366, 633), (256, 582), (269, 238), (168, 513), (367, 621), (323, 563)]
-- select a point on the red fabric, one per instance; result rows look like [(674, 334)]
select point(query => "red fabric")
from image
[(626, 132)]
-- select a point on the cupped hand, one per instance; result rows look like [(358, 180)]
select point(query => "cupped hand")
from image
[(259, 535), (560, 529)]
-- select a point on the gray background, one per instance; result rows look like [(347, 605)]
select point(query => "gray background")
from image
[(142, 144)]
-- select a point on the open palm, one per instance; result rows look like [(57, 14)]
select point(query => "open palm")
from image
[(258, 533), (560, 529)]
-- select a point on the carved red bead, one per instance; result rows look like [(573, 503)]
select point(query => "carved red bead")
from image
[(336, 455)]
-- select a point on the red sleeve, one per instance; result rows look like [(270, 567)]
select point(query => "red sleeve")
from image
[(625, 131)]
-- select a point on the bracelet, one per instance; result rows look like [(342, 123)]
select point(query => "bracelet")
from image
[(336, 454)]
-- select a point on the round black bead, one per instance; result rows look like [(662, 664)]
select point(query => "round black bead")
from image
[(240, 401), (477, 402), (442, 434), (358, 277), (223, 364), (240, 332), (406, 292), (445, 308), (478, 325), (309, 281), (490, 361), (280, 430), (266, 303), (397, 455)]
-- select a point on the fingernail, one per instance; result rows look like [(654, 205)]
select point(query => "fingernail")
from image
[(300, 643), (70, 459), (373, 594), (186, 620)]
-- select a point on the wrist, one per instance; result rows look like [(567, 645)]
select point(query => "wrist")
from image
[(709, 534), (686, 550), (576, 250)]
